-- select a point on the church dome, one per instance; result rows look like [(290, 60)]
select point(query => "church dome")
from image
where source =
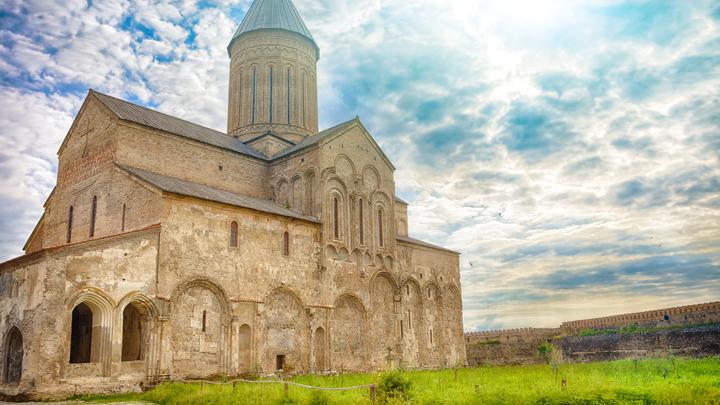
[(272, 14)]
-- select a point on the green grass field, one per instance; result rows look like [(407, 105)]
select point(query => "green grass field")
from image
[(653, 381)]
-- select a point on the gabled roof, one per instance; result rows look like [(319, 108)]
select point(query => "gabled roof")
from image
[(190, 189), (329, 133), (128, 111), (272, 14), (315, 139), (419, 242)]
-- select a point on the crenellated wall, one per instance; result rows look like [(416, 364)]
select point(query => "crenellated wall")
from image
[(520, 346), (685, 315)]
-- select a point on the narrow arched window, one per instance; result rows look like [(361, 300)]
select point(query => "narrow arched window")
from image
[(93, 215), (254, 93), (336, 225), (362, 222), (270, 86), (289, 90), (233, 234), (303, 99), (381, 242), (70, 224), (286, 244)]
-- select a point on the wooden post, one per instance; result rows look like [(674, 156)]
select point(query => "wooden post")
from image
[(234, 384), (372, 393), (286, 389)]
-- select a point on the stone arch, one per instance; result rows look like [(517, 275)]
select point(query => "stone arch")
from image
[(298, 193), (137, 313), (286, 331), (320, 349), (331, 252), (283, 192), (379, 261), (381, 224), (384, 329), (199, 322), (336, 190), (356, 258), (344, 167), (245, 348), (413, 324), (371, 178), (349, 334), (14, 352), (452, 322), (389, 262), (434, 338), (90, 313), (311, 193), (367, 260)]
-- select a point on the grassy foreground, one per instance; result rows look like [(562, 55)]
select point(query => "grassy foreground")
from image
[(662, 381)]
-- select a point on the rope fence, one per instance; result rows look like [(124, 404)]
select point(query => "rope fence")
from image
[(371, 387)]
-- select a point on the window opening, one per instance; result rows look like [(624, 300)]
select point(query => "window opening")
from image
[(254, 91), (286, 244), (289, 90), (122, 225), (362, 224), (93, 215), (271, 93), (380, 228), (70, 224), (336, 225), (234, 234)]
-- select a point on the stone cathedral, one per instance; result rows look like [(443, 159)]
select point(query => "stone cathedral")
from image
[(171, 250)]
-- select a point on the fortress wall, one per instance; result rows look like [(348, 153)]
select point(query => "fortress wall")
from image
[(685, 315), (520, 346), (692, 342)]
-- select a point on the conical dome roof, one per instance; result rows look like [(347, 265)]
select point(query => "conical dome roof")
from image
[(272, 14)]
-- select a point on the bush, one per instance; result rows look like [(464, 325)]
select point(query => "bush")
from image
[(393, 388), (546, 350)]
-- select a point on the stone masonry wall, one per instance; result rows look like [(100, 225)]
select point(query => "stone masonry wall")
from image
[(520, 346)]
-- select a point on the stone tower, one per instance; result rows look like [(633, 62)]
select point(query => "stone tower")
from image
[(273, 78)]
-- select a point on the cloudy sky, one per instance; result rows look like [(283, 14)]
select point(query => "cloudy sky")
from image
[(569, 149)]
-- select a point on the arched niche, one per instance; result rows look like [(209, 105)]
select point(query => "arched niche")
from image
[(349, 334), (198, 323), (14, 353), (286, 332)]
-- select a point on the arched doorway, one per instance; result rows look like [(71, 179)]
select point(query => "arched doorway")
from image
[(320, 349), (81, 334), (13, 356), (135, 333)]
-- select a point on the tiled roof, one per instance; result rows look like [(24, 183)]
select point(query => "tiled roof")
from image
[(414, 241), (401, 201), (272, 14), (154, 119), (187, 188)]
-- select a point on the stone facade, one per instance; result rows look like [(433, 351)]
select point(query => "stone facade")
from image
[(171, 250)]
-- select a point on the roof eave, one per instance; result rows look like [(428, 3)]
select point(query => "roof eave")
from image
[(310, 39)]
